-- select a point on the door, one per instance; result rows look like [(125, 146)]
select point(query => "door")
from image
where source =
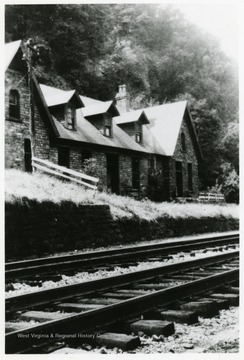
[(113, 173), (179, 179), (28, 165), (63, 156)]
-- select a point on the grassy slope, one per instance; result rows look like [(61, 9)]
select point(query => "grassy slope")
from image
[(42, 187)]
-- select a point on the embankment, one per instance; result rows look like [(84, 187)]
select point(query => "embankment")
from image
[(35, 229)]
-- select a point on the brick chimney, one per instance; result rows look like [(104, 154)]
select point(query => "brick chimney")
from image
[(122, 99)]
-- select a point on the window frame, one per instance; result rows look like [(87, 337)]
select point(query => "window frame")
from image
[(138, 133), (107, 125), (14, 107), (70, 122)]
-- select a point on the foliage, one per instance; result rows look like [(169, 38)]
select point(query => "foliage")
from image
[(89, 166), (150, 48), (229, 181)]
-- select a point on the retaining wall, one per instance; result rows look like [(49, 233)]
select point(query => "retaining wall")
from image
[(35, 229)]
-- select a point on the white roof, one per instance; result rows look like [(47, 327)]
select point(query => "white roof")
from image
[(87, 101), (129, 117), (165, 122), (10, 52), (54, 96), (99, 108)]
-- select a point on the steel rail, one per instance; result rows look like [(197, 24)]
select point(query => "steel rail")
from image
[(91, 321), (42, 265), (43, 297)]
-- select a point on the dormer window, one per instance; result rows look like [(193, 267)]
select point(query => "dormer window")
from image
[(70, 116), (107, 125), (14, 106), (138, 137), (138, 132), (107, 130)]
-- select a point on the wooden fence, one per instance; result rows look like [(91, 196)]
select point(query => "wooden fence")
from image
[(211, 197), (61, 171)]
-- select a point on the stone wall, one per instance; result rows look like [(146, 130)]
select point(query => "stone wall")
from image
[(35, 229), (185, 157), (16, 130)]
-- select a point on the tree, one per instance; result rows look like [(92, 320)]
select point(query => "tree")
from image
[(94, 48)]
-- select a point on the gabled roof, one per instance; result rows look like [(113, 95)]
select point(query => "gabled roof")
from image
[(87, 133), (99, 108), (54, 96), (89, 101), (132, 116), (161, 134), (165, 124), (11, 50)]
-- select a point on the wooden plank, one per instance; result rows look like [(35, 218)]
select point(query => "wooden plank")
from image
[(98, 301), (76, 307), (151, 327), (122, 341), (180, 316), (40, 167), (64, 169), (41, 316)]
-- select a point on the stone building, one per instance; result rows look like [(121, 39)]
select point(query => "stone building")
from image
[(152, 152)]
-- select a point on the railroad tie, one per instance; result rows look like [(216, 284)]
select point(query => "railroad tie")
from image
[(122, 341), (180, 316), (152, 327), (205, 308), (41, 316), (75, 307), (221, 303), (232, 298)]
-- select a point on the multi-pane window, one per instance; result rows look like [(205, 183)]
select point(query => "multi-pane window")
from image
[(70, 117), (14, 106), (138, 131)]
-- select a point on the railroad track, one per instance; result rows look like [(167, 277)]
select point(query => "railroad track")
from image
[(44, 267), (161, 295)]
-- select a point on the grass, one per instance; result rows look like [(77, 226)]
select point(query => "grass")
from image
[(40, 187)]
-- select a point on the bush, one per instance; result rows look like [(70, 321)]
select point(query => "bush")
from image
[(229, 180)]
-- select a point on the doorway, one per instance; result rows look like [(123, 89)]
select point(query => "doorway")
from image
[(63, 156), (113, 173), (179, 179)]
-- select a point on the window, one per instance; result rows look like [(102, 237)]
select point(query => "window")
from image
[(85, 155), (70, 117), (14, 108), (107, 130), (138, 131), (183, 141), (189, 170), (136, 173), (138, 137), (107, 125)]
